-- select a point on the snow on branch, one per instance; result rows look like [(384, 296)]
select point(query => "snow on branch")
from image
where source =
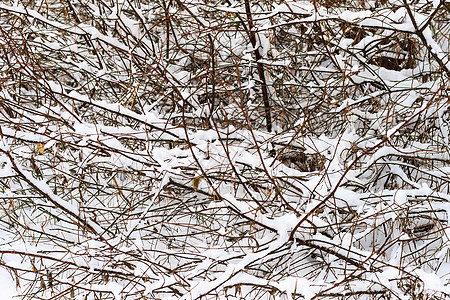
[(225, 149)]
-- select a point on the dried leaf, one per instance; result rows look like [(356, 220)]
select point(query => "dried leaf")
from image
[(196, 182), (43, 286), (40, 147), (33, 267), (50, 279)]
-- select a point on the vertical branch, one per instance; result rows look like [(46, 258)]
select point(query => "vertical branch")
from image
[(167, 23), (259, 65), (213, 75)]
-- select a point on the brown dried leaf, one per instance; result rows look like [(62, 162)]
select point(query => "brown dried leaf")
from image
[(40, 147), (196, 182)]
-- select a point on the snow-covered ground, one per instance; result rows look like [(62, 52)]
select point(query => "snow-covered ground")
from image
[(7, 285), (225, 149)]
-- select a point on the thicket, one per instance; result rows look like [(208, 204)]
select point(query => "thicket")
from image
[(225, 149)]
